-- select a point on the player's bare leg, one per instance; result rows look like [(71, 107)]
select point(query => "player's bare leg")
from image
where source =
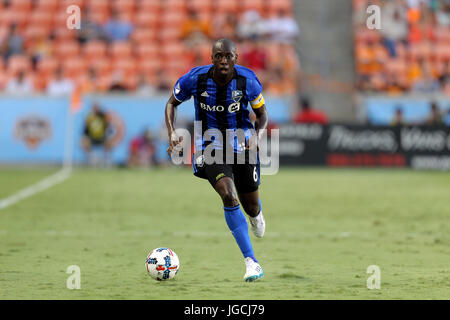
[(225, 188), (252, 206), (238, 226)]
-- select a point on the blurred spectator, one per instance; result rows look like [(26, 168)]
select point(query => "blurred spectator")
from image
[(308, 115), (398, 117), (283, 28), (60, 85), (117, 82), (395, 27), (144, 87), (95, 136), (443, 13), (225, 26), (13, 43), (251, 26), (117, 28), (435, 116), (89, 29), (426, 84), (194, 29), (444, 77), (163, 83), (41, 47), (20, 85), (142, 150), (447, 118), (88, 85), (255, 56)]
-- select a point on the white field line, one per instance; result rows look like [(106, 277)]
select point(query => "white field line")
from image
[(42, 185)]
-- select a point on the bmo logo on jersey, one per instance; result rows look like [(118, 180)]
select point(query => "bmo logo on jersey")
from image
[(234, 107)]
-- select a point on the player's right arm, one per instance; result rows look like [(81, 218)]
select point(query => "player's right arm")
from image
[(171, 114), (182, 91)]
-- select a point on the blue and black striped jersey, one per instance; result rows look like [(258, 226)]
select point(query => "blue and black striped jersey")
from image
[(220, 107)]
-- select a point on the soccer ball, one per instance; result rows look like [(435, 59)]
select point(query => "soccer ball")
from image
[(162, 264)]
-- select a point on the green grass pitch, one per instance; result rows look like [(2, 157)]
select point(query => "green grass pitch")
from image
[(324, 228)]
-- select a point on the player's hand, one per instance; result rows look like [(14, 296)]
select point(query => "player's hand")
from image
[(174, 143), (253, 143)]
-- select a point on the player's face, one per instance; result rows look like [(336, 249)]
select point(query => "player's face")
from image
[(224, 60)]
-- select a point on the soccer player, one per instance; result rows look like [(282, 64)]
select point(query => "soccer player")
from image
[(222, 91)]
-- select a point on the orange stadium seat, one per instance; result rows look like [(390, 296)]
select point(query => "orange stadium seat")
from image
[(274, 5), (94, 50), (131, 81), (104, 82), (127, 66), (396, 67), (36, 32), (67, 49), (123, 5), (18, 63), (100, 66), (173, 19), (63, 4), (227, 5), (60, 19), (149, 66), (74, 67), (47, 5), (47, 66), (12, 15), (147, 19), (169, 49), (144, 35), (200, 5), (121, 50), (62, 34), (173, 5), (169, 34), (148, 50), (41, 18), (149, 6), (22, 5), (442, 51), (366, 35), (257, 5), (99, 16), (98, 5), (442, 34)]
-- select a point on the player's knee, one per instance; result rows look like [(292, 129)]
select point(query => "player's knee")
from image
[(251, 208), (229, 197)]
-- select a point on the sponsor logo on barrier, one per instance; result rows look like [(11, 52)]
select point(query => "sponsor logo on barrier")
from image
[(33, 130), (344, 138)]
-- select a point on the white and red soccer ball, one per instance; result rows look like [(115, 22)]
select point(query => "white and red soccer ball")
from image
[(162, 264)]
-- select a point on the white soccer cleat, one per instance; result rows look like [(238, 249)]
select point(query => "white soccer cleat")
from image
[(258, 225), (253, 270)]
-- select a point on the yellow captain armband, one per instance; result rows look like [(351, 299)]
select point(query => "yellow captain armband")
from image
[(258, 102)]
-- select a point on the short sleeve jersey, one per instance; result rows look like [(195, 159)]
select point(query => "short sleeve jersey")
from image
[(220, 108)]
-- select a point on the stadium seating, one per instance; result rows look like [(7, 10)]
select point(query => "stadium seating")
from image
[(155, 46), (426, 44)]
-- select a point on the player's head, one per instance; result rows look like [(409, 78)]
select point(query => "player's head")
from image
[(224, 56)]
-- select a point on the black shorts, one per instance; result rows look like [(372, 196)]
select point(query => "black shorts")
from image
[(246, 176)]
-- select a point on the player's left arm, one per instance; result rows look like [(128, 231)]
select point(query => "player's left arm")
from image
[(262, 120)]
